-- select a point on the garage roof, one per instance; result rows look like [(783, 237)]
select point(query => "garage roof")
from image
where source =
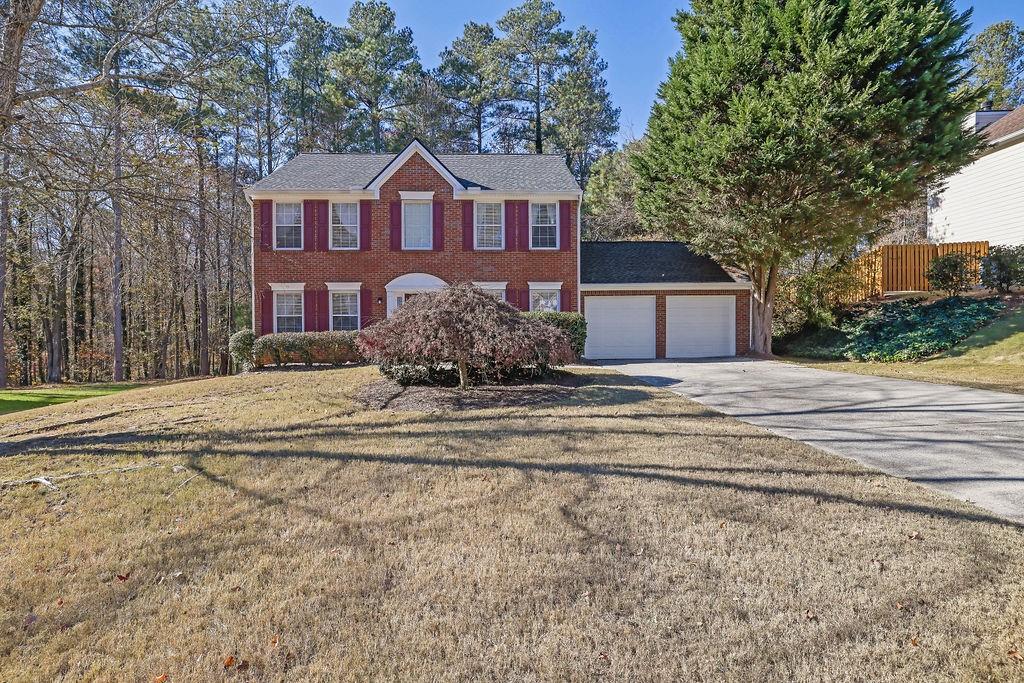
[(647, 262)]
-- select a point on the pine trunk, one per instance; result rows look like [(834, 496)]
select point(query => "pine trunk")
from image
[(5, 227), (118, 241)]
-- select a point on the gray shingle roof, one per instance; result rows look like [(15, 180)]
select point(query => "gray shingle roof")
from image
[(501, 172), (648, 262)]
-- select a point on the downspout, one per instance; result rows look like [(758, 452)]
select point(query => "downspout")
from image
[(252, 263), (579, 242)]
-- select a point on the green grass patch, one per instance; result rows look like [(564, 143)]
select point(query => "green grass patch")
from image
[(1000, 342), (13, 400), (898, 330)]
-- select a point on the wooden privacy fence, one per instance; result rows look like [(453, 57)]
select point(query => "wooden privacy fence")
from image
[(901, 267)]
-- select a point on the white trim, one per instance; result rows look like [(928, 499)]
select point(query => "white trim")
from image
[(302, 304), (555, 287), (252, 261), (330, 304), (491, 285), (343, 286), (302, 226), (579, 265), (410, 283), (558, 227), (501, 215), (355, 194), (287, 286), (429, 247), (545, 285), (1007, 138), (330, 227), (659, 286), (502, 195), (416, 195), (298, 195), (414, 147)]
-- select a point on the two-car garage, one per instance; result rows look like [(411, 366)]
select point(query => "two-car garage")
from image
[(659, 300)]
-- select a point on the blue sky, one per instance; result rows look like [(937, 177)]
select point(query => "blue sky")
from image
[(636, 37)]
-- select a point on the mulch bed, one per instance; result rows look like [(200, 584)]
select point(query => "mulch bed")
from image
[(386, 394)]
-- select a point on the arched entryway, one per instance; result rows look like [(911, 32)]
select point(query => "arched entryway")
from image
[(409, 284)]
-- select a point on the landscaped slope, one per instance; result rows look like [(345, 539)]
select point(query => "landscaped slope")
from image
[(13, 400), (623, 533), (991, 358)]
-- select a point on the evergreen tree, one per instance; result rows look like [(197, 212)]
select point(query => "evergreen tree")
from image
[(468, 77), (997, 59), (531, 57), (582, 119), (377, 68), (787, 126), (306, 102)]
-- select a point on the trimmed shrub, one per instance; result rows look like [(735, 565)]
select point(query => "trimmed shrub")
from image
[(335, 348), (462, 332), (1003, 268), (240, 347), (951, 273), (573, 324)]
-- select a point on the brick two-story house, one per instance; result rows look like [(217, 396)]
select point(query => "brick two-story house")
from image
[(342, 240)]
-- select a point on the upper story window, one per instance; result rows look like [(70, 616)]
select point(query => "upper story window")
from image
[(544, 299), (288, 311), (417, 225), (543, 226), (345, 311), (489, 233), (288, 225), (345, 226)]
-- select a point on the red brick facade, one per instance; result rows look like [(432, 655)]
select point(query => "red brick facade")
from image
[(742, 311), (380, 264)]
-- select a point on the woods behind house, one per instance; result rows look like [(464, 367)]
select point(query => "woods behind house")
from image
[(128, 129)]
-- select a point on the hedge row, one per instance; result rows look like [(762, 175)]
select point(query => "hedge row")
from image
[(337, 348)]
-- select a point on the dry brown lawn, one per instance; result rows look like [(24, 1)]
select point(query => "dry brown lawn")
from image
[(623, 533)]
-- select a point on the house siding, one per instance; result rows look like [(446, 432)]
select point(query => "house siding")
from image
[(742, 310), (377, 266), (983, 202)]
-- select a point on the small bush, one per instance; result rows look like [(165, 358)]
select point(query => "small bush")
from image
[(811, 299), (1003, 268), (573, 324), (951, 273), (462, 331), (335, 348), (240, 347)]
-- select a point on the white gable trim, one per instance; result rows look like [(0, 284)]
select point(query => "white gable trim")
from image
[(414, 147)]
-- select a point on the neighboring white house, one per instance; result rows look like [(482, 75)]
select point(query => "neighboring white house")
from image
[(985, 201)]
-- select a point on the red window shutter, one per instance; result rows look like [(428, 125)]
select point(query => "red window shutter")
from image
[(323, 225), (512, 296), (510, 225), (438, 226), (266, 311), (396, 225), (323, 307), (523, 221), (564, 299), (308, 226), (564, 222), (524, 299), (365, 223), (265, 223), (365, 306), (467, 225), (309, 311)]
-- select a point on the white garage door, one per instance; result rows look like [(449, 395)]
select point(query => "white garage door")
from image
[(700, 326), (619, 326)]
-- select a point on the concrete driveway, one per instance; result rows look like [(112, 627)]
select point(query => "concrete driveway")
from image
[(966, 442)]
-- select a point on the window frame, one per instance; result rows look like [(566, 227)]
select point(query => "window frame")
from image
[(501, 226), (330, 227), (302, 227), (546, 287), (430, 229), (302, 307), (358, 313), (498, 288), (556, 225)]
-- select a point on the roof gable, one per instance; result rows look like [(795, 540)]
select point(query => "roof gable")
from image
[(414, 147)]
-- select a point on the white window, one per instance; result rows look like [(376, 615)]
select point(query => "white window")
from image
[(544, 299), (345, 311), (288, 225), (345, 226), (490, 233), (495, 289), (288, 311), (543, 226), (417, 225)]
